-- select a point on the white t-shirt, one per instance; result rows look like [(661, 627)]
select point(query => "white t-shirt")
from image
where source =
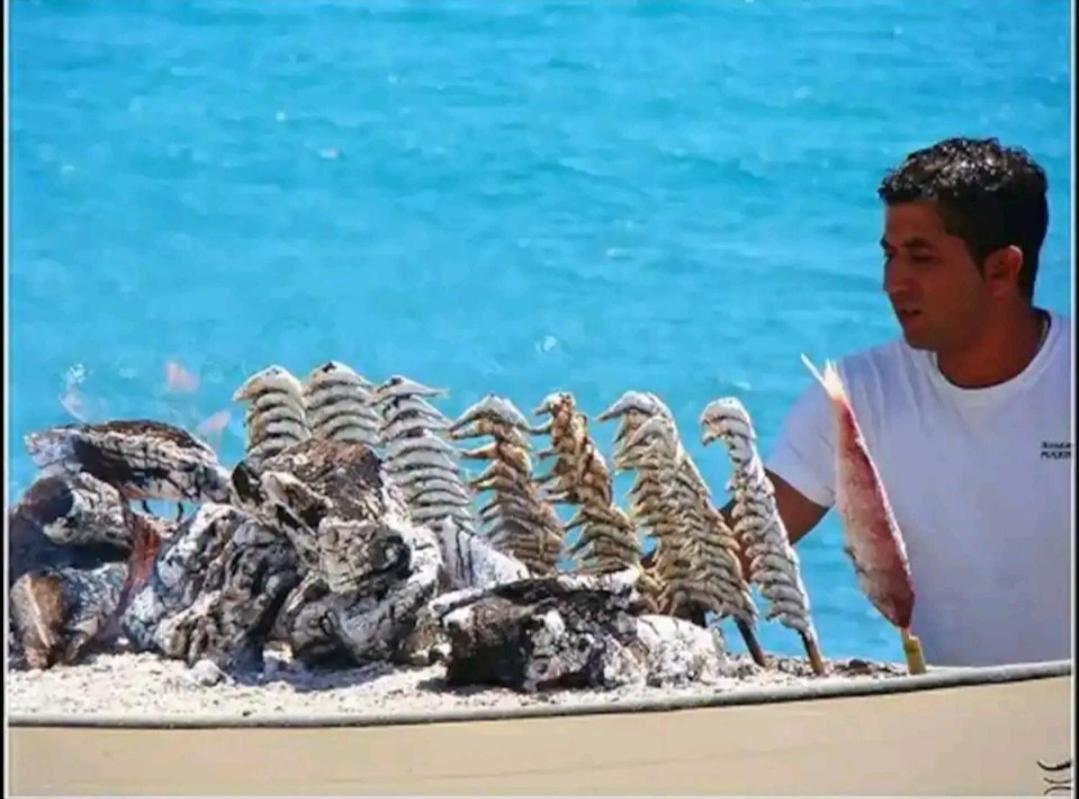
[(980, 482)]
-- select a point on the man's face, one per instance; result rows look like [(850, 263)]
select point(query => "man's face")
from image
[(933, 283)]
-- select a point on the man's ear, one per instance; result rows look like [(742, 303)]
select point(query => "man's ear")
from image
[(1002, 270)]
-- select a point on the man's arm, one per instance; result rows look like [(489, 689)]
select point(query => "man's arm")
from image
[(799, 514)]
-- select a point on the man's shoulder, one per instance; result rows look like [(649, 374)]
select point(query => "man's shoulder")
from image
[(1060, 348), (1065, 323), (887, 384)]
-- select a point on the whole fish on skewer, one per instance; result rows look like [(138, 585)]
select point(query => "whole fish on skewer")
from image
[(773, 564), (873, 539)]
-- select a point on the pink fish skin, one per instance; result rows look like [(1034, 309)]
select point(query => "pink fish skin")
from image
[(873, 539)]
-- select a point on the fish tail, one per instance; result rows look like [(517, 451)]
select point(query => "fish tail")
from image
[(830, 380)]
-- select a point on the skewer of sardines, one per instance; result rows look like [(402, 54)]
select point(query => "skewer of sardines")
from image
[(647, 495), (773, 564), (579, 477), (419, 460), (699, 556), (718, 553), (517, 520)]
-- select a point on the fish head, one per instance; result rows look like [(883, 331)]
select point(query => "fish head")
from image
[(399, 386), (476, 427), (554, 404), (273, 376), (494, 411), (336, 371), (725, 417), (638, 402)]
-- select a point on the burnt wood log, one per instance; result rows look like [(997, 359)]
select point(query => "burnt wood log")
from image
[(471, 561), (57, 614), (143, 459), (215, 590), (368, 570), (569, 631), (67, 520)]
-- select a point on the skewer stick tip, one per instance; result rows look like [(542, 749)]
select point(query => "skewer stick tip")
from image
[(912, 649)]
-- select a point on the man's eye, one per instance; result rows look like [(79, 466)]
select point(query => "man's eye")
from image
[(922, 259)]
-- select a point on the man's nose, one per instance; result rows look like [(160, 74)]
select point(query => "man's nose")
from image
[(896, 279)]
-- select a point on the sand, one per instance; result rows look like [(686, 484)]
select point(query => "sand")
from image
[(971, 740), (982, 739)]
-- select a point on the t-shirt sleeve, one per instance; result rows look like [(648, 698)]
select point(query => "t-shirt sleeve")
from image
[(804, 451)]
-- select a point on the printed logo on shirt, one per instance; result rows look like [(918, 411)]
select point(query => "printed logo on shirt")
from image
[(1056, 450)]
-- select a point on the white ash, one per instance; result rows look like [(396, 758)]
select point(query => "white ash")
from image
[(160, 688)]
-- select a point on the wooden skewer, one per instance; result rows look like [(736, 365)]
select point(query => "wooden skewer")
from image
[(813, 650), (696, 613), (912, 648), (752, 644)]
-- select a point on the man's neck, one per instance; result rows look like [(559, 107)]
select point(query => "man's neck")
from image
[(998, 354)]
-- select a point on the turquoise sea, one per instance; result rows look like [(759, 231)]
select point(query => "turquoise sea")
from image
[(508, 197)]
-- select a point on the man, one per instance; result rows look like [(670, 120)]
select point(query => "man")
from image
[(967, 415)]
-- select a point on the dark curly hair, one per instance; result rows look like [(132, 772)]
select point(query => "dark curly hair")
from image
[(988, 195)]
